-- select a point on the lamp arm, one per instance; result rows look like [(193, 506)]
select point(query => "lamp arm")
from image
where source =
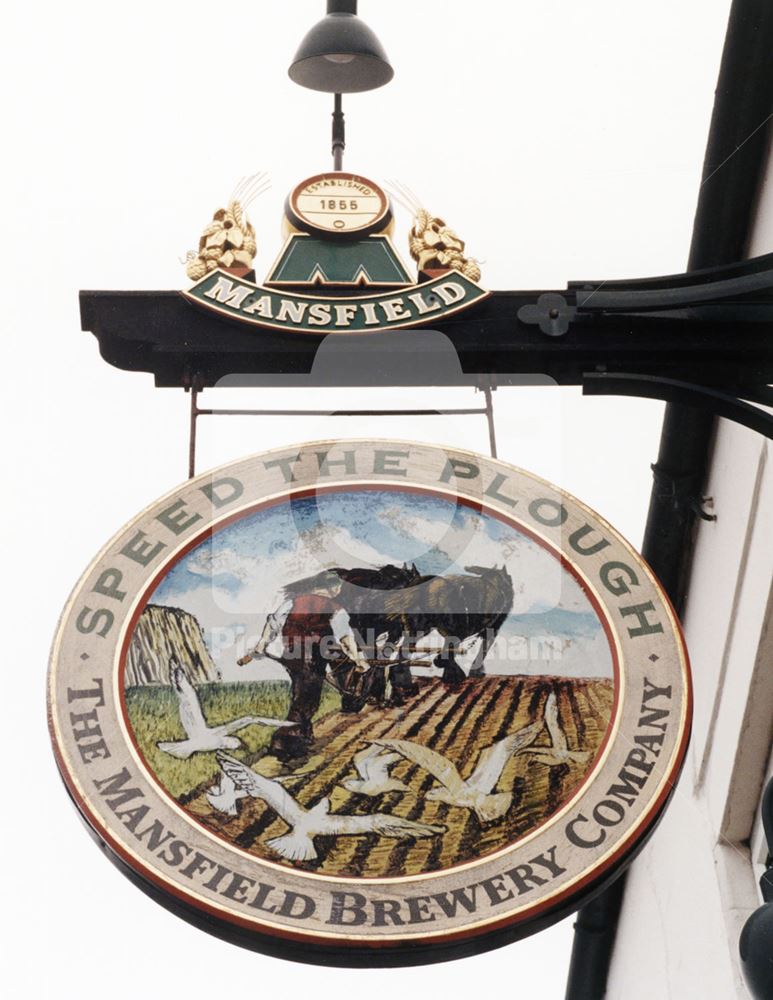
[(339, 133)]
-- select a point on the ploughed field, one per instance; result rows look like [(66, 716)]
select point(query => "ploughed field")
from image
[(457, 723)]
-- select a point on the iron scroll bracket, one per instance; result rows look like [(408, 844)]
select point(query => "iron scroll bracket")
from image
[(743, 289), (732, 405)]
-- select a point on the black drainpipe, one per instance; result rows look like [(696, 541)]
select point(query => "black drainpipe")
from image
[(736, 159)]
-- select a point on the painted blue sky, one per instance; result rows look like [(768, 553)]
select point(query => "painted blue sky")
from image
[(232, 580), (381, 519)]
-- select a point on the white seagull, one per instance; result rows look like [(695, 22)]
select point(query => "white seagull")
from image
[(224, 795), (306, 824), (201, 737), (559, 752), (476, 791), (373, 765)]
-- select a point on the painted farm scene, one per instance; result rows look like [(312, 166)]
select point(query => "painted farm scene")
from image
[(369, 682)]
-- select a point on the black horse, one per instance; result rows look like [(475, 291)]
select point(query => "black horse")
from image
[(406, 605)]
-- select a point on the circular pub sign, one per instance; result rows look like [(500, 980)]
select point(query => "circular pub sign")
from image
[(369, 702)]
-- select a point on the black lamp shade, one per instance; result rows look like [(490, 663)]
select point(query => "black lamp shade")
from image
[(341, 55)]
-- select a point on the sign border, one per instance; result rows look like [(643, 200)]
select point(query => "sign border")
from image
[(337, 948)]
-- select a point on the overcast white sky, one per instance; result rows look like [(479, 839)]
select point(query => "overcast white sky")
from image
[(561, 140)]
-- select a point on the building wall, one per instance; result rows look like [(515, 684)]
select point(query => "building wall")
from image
[(694, 885)]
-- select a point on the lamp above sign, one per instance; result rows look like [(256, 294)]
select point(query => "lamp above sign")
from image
[(338, 244)]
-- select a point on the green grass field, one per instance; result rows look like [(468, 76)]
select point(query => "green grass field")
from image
[(154, 717)]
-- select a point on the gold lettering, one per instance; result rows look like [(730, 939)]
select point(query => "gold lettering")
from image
[(395, 310), (422, 305), (450, 292), (371, 319), (319, 314), (261, 306), (292, 311), (224, 291), (345, 314)]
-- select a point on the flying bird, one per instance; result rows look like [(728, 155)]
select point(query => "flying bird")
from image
[(201, 737), (306, 824), (558, 752), (475, 792), (372, 766), (224, 795)]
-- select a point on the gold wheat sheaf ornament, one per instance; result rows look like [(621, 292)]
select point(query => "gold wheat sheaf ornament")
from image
[(433, 244), (229, 239)]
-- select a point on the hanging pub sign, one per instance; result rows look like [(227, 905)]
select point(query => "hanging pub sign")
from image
[(369, 702), (338, 271)]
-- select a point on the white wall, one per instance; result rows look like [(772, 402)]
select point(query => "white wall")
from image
[(693, 887), (690, 892)]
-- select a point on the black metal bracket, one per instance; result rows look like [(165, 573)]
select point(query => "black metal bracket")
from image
[(685, 490), (692, 296), (723, 403), (756, 937), (709, 328)]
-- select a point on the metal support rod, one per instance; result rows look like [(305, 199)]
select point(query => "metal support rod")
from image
[(489, 411), (460, 411), (342, 6), (192, 431), (341, 413), (339, 133)]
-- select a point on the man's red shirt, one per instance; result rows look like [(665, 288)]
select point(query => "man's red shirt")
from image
[(310, 617)]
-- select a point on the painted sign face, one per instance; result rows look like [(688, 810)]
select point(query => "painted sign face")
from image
[(358, 694)]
